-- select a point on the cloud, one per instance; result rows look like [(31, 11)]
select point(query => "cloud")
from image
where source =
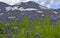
[(47, 3), (12, 2)]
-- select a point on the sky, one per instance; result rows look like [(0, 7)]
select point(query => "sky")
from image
[(48, 3)]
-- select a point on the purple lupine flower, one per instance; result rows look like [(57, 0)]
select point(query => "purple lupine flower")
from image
[(9, 35), (26, 33), (15, 30), (2, 29), (54, 18), (37, 35), (7, 27)]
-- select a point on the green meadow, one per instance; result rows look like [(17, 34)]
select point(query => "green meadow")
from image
[(40, 28)]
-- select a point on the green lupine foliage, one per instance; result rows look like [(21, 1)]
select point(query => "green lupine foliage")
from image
[(24, 23), (37, 23), (45, 28), (57, 29), (46, 20), (30, 34), (2, 25), (12, 23)]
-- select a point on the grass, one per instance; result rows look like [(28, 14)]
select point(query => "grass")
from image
[(44, 29)]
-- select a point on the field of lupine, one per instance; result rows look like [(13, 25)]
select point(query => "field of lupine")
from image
[(47, 28)]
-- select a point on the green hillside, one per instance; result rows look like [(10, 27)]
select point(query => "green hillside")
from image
[(37, 29)]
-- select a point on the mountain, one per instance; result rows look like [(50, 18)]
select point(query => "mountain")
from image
[(2, 6), (29, 9), (29, 4)]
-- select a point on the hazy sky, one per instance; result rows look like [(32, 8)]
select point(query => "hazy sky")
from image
[(48, 3)]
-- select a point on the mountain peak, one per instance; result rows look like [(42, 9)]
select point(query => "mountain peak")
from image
[(29, 4), (2, 4), (32, 2)]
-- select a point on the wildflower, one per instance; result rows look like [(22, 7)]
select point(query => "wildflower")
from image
[(15, 30), (26, 34), (2, 29), (37, 35), (7, 27), (54, 18), (9, 35)]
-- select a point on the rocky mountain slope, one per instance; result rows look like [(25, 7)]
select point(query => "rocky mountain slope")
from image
[(29, 9)]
